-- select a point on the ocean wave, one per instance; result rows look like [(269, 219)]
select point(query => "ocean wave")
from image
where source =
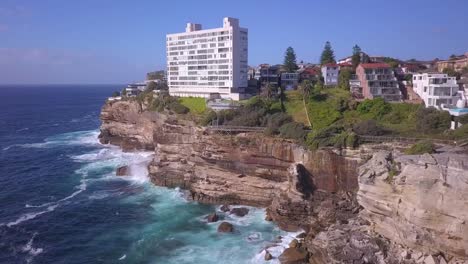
[(71, 139), (277, 249), (29, 216), (30, 250)]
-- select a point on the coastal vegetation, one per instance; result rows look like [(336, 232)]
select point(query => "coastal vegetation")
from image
[(421, 148)]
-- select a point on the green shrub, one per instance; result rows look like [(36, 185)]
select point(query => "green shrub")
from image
[(375, 108), (275, 121), (115, 94), (421, 148), (461, 132), (293, 130), (352, 140), (178, 108), (369, 128), (323, 137), (463, 119), (208, 117), (432, 120)]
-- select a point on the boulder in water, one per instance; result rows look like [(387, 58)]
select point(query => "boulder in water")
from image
[(268, 256), (225, 227), (293, 256), (240, 211), (123, 171), (212, 218), (225, 208)]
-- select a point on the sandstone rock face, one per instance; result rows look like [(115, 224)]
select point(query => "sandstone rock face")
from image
[(418, 201), (294, 256), (125, 125)]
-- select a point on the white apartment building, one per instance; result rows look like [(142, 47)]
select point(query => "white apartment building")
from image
[(436, 89), (330, 72), (201, 63)]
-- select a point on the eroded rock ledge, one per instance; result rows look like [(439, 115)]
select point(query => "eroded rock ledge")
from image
[(418, 202)]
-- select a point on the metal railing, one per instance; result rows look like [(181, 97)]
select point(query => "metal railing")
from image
[(365, 138), (223, 128)]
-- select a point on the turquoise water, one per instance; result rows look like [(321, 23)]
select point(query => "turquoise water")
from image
[(62, 203)]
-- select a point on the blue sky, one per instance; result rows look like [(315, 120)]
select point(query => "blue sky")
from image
[(117, 41)]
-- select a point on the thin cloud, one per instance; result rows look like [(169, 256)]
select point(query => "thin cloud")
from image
[(439, 30)]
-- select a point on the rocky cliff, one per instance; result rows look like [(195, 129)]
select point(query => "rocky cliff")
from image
[(315, 191)]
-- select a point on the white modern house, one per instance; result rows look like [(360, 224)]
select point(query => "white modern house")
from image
[(438, 90), (202, 63), (330, 72)]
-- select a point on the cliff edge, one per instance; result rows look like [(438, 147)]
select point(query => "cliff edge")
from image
[(390, 208)]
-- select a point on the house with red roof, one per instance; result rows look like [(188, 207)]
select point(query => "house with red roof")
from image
[(378, 81), (309, 73)]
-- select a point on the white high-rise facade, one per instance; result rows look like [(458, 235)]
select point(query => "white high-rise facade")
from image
[(211, 61)]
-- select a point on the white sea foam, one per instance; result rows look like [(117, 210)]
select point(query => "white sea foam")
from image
[(30, 250), (29, 216), (277, 249), (73, 138), (123, 257)]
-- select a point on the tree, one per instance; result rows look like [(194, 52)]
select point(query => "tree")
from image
[(356, 58), (391, 61), (290, 64), (328, 55), (115, 94), (452, 73), (151, 86), (268, 90), (343, 79), (305, 88)]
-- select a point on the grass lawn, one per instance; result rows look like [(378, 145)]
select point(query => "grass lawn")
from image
[(295, 107), (196, 105)]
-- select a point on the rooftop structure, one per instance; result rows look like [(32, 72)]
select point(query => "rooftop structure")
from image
[(211, 61)]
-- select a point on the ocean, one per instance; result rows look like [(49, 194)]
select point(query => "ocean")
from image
[(60, 201)]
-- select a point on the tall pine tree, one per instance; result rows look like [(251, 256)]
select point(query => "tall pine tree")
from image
[(356, 58), (328, 56), (290, 64)]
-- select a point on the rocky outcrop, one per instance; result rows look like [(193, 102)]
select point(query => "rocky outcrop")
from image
[(125, 124), (225, 227), (122, 171), (418, 201)]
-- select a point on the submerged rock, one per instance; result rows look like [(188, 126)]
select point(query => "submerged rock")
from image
[(123, 171), (268, 256), (293, 256), (240, 211), (225, 208), (212, 218), (225, 227)]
